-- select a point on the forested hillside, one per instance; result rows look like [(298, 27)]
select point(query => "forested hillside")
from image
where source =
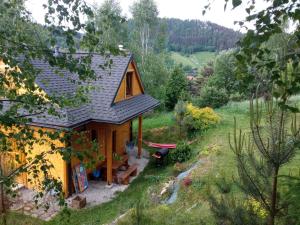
[(191, 36)]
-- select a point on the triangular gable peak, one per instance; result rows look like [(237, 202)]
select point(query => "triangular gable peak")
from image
[(131, 84)]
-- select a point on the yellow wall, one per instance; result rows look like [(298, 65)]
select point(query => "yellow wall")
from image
[(59, 170), (136, 84), (60, 166)]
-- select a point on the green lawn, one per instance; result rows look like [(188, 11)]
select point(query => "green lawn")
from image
[(196, 60), (191, 206)]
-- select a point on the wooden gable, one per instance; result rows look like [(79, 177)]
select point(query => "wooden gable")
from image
[(136, 88)]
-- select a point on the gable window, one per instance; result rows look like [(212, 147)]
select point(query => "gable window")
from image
[(129, 76)]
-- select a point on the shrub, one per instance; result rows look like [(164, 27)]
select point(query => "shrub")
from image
[(212, 97), (182, 153), (200, 118), (176, 88)]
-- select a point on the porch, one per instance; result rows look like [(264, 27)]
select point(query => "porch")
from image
[(97, 193), (100, 192), (118, 148)]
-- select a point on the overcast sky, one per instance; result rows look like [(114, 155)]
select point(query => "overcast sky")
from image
[(182, 9)]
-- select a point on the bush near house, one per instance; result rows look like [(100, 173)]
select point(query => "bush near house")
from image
[(190, 118), (200, 119), (182, 153), (212, 97)]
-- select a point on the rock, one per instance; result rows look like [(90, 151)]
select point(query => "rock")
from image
[(167, 186), (27, 208)]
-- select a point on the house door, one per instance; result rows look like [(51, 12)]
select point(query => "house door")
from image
[(114, 141), (130, 132)]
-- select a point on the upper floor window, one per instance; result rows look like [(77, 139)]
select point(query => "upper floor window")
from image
[(129, 76)]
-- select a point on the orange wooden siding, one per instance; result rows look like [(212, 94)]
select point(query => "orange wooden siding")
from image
[(104, 140), (136, 84), (58, 172)]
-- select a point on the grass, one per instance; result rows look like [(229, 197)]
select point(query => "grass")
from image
[(191, 206), (196, 60)]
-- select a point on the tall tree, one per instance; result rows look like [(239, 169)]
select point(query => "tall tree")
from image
[(176, 88), (144, 14), (109, 21)]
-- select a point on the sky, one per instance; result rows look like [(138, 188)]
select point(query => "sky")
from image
[(182, 9)]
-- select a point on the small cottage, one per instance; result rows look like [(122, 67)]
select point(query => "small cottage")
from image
[(117, 99)]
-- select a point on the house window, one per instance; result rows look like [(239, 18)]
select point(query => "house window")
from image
[(114, 141), (129, 76), (94, 135)]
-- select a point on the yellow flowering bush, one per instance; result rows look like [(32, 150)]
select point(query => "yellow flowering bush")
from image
[(200, 118), (256, 207)]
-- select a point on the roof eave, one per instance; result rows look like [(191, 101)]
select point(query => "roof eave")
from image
[(118, 122)]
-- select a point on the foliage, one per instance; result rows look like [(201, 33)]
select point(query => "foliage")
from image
[(291, 192), (258, 55), (256, 206), (262, 156), (108, 20), (224, 73), (144, 14), (200, 118), (176, 87), (147, 41), (271, 144), (207, 36), (212, 97), (182, 153), (208, 69), (155, 75), (23, 41)]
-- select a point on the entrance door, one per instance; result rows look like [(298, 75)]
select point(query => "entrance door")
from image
[(130, 132), (114, 141)]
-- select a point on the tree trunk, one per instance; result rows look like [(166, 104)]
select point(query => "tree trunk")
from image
[(274, 198)]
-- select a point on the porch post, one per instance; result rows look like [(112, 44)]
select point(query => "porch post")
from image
[(140, 137), (109, 156)]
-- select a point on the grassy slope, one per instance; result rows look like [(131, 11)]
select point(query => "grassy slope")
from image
[(196, 60), (191, 206)]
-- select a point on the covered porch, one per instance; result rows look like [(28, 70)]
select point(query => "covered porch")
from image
[(118, 149), (112, 165), (99, 192)]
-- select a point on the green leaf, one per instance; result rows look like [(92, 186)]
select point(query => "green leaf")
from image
[(236, 3)]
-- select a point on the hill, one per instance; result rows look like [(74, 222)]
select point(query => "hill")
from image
[(189, 36)]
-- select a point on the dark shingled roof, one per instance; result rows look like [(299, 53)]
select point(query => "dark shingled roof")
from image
[(101, 107)]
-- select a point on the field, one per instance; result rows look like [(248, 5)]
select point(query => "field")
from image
[(191, 207), (196, 60)]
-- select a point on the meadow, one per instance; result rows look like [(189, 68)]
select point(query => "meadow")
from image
[(195, 60)]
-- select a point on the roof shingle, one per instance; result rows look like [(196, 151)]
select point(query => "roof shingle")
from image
[(100, 107)]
